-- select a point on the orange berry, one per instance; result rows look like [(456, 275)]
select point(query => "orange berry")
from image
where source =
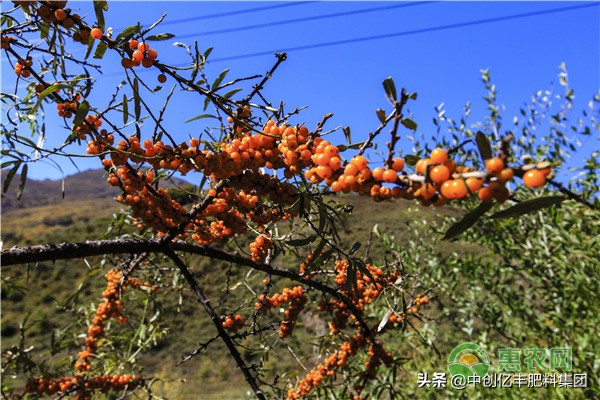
[(390, 176), (324, 171), (138, 56), (506, 175), (378, 173), (494, 165), (335, 163), (143, 47), (398, 164), (331, 151), (133, 44), (439, 156), (162, 78), (534, 178), (474, 184), (421, 166), (60, 15), (146, 63), (439, 174), (351, 169), (454, 189), (96, 33), (360, 162), (152, 54)]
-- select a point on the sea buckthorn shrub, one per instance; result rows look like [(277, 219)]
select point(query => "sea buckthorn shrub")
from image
[(264, 180)]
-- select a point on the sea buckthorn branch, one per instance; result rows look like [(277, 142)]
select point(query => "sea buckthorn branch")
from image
[(398, 105), (373, 135), (23, 255), (215, 318), (281, 57)]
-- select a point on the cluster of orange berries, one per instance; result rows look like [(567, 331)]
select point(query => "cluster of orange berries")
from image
[(56, 14), (376, 355), (22, 68), (296, 297), (306, 263), (266, 186), (82, 387), (229, 213), (294, 147), (234, 323), (110, 308), (142, 55), (101, 144), (259, 249), (82, 36), (67, 108), (368, 290), (92, 122), (154, 209), (315, 377), (326, 160), (6, 41)]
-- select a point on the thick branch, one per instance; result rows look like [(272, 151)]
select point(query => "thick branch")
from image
[(51, 252)]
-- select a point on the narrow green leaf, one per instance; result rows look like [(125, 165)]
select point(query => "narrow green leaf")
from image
[(316, 254), (136, 100), (390, 89), (484, 146), (384, 320), (409, 124), (346, 130), (127, 32), (231, 93), (302, 242), (206, 103), (354, 248), (411, 160), (468, 220), (90, 46), (125, 109), (100, 50), (99, 7), (381, 115), (44, 29), (528, 206), (22, 182), (219, 79), (81, 113), (10, 176), (200, 117), (161, 36)]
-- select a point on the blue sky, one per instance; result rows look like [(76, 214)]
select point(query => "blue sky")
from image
[(434, 48)]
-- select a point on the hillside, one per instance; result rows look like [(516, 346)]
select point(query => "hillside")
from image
[(86, 185)]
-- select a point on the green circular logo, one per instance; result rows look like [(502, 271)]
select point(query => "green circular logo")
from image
[(468, 359)]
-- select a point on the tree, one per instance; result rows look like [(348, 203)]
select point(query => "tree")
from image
[(240, 213)]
